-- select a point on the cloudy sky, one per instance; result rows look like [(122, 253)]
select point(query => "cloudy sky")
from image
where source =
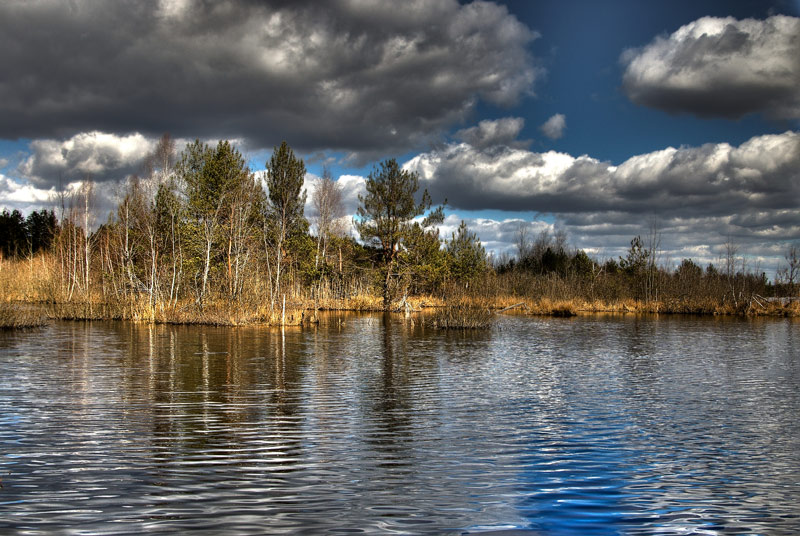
[(597, 118)]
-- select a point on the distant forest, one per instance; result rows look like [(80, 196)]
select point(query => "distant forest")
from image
[(196, 236)]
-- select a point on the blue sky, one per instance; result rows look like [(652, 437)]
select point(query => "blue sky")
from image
[(681, 113), (580, 46)]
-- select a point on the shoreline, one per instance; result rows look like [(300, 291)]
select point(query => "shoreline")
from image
[(26, 314)]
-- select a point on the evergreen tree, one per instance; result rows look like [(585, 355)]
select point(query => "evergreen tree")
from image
[(466, 254), (386, 213), (212, 176), (13, 238), (285, 176)]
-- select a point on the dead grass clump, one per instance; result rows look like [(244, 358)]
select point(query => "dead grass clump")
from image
[(461, 317), (21, 317), (561, 308)]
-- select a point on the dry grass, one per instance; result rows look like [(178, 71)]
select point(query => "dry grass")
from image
[(34, 280), (14, 316), (461, 317)]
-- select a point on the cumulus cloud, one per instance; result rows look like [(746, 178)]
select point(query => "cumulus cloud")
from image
[(490, 133), (554, 127), (96, 155), (720, 67), (351, 186), (701, 196), (23, 196), (716, 178), (353, 76)]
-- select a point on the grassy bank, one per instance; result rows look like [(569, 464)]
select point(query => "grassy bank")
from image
[(39, 281), (21, 316)]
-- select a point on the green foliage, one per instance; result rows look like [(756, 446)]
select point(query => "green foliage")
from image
[(214, 179), (582, 264), (22, 236), (385, 219), (422, 261), (466, 256), (637, 258), (689, 270), (285, 175), (385, 213)]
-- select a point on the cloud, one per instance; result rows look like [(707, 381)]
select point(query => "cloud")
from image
[(700, 196), (356, 76), (554, 127), (715, 178), (720, 67), (100, 156), (23, 196), (351, 186), (490, 133)]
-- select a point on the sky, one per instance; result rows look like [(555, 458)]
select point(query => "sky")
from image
[(604, 120)]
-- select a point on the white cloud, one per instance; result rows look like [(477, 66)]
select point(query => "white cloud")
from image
[(720, 67), (97, 155), (554, 127), (490, 133), (700, 195), (21, 196)]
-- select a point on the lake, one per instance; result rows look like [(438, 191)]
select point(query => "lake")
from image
[(370, 423)]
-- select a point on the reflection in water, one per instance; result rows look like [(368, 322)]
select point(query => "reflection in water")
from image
[(595, 425)]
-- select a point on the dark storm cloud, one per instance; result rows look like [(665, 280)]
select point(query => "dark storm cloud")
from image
[(352, 75), (720, 67)]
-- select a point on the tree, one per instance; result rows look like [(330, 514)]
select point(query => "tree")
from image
[(466, 254), (635, 264), (285, 175), (522, 241), (13, 239), (212, 177), (328, 209), (636, 259), (41, 227), (789, 273), (386, 212)]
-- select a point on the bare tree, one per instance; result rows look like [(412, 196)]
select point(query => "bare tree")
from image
[(329, 209), (522, 239), (789, 273), (731, 250), (653, 246)]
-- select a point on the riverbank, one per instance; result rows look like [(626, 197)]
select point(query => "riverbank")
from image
[(302, 312), (21, 316)]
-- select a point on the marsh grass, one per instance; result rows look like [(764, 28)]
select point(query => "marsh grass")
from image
[(13, 316), (461, 317)]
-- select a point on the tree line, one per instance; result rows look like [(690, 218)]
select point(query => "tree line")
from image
[(198, 233), (21, 236)]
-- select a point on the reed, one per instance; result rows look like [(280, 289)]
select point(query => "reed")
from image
[(14, 316), (461, 317)]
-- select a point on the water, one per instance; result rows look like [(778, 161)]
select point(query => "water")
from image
[(595, 425)]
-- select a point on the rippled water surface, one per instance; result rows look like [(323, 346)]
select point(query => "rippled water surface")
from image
[(594, 425)]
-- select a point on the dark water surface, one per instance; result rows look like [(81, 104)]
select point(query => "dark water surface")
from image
[(594, 425)]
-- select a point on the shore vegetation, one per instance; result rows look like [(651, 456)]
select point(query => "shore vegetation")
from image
[(197, 237)]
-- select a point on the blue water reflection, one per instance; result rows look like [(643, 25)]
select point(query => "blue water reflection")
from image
[(372, 423)]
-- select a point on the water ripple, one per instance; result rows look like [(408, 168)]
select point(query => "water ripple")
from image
[(587, 426)]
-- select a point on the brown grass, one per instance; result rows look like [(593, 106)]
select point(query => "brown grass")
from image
[(461, 317), (21, 316)]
